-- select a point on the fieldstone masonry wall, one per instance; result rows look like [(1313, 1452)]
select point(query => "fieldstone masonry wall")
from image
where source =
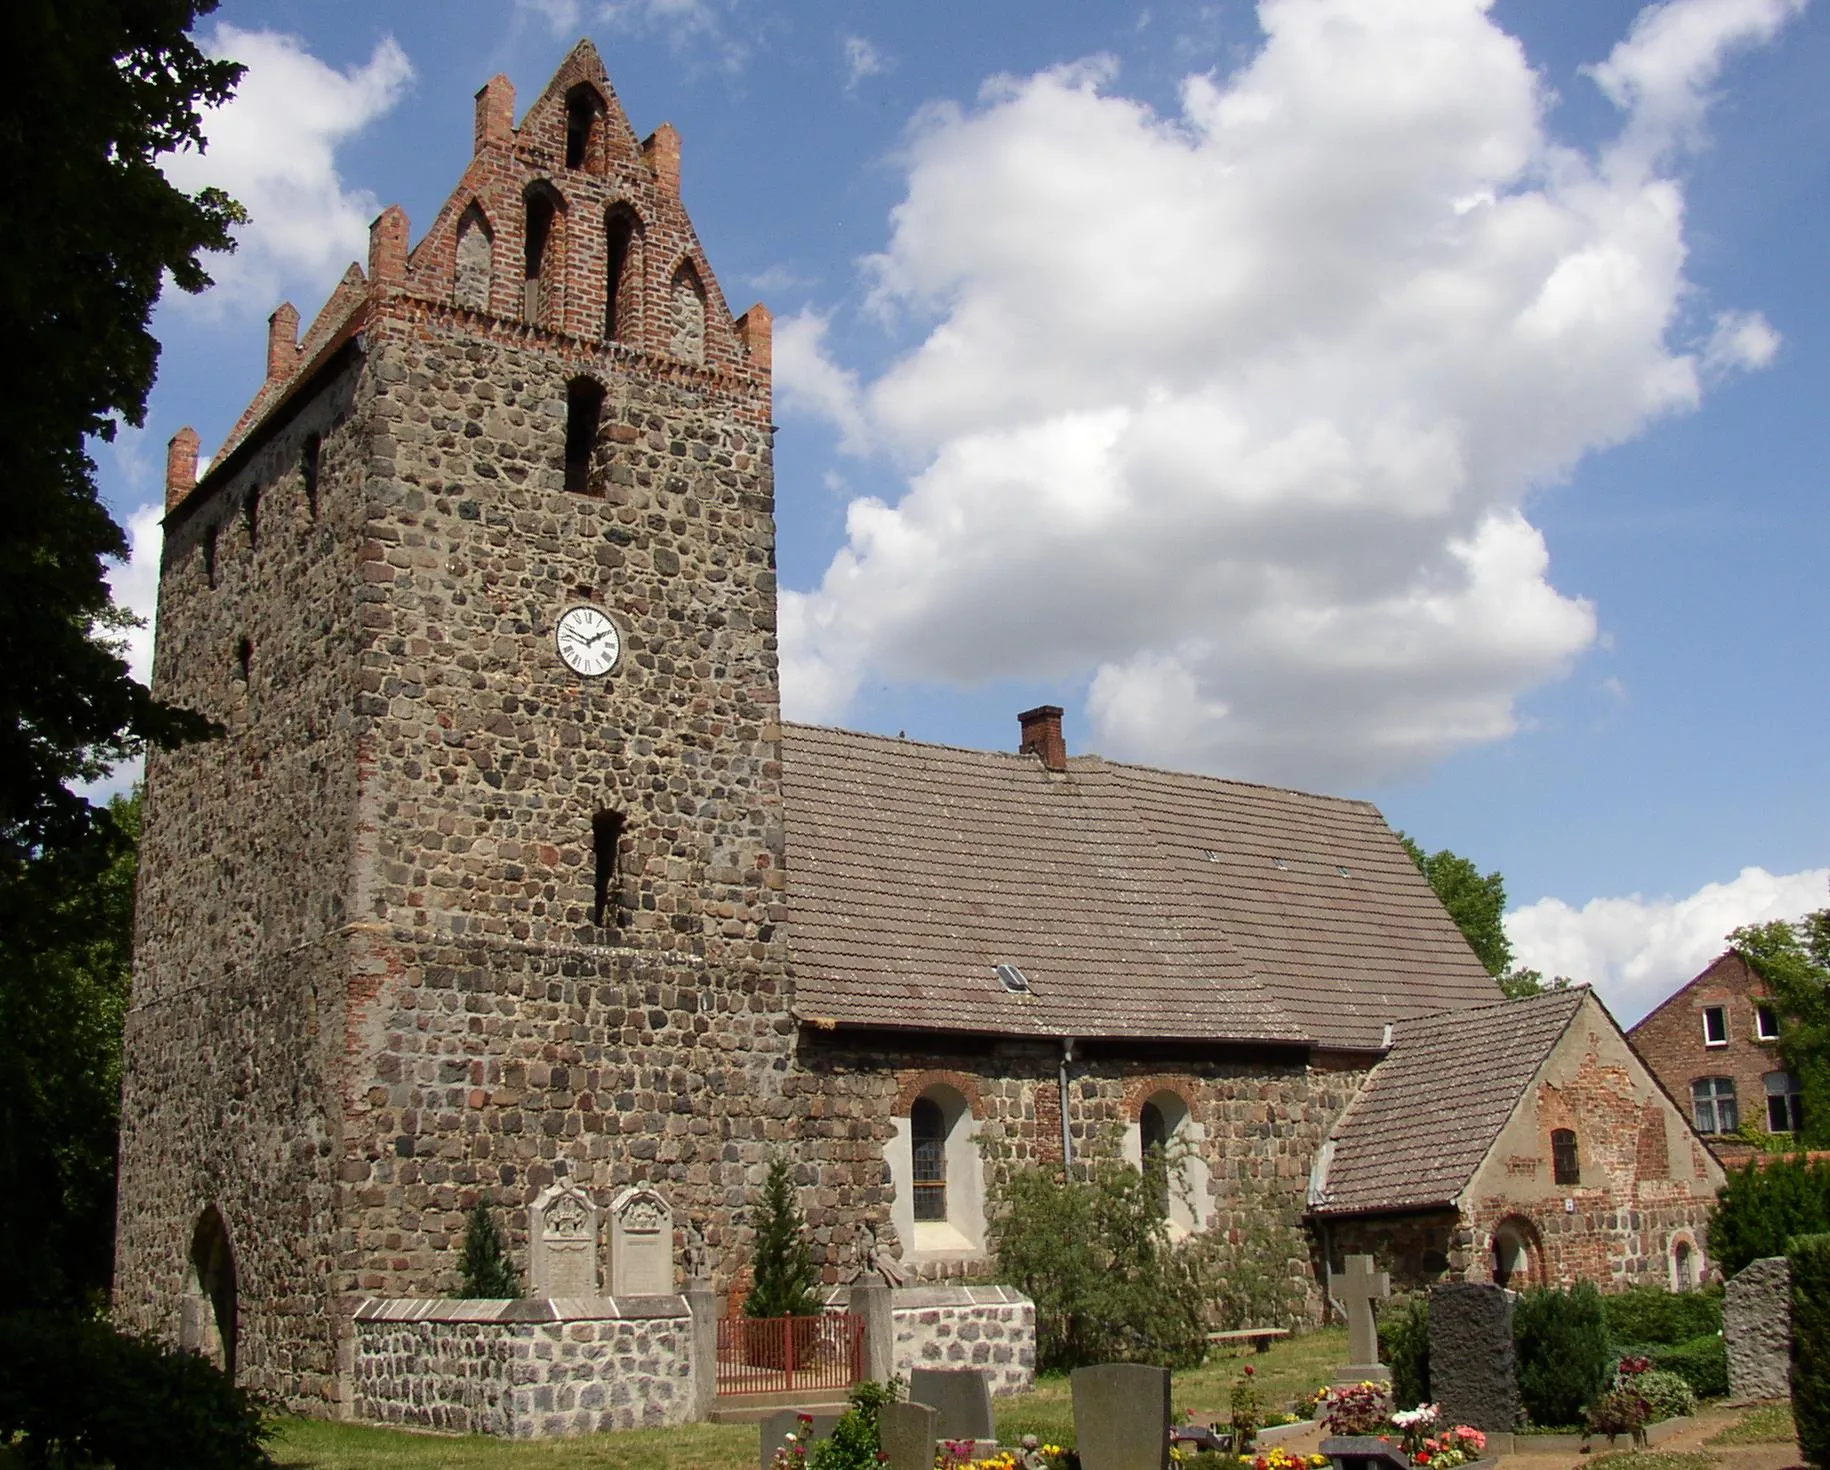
[(991, 1328), (524, 1370), (1757, 1330)]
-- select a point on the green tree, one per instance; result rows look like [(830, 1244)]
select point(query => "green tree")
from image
[(1476, 901), (90, 230), (1794, 961), (1760, 1209), (783, 1279), (489, 1274), (62, 1006)]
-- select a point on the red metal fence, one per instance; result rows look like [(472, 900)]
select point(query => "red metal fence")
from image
[(789, 1354)]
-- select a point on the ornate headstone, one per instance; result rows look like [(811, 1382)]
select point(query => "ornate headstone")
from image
[(1121, 1416), (1355, 1290), (1473, 1374), (562, 1241), (1757, 1330), (961, 1400), (641, 1244)]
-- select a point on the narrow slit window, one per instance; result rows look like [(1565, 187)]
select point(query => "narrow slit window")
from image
[(251, 514), (1565, 1157), (209, 556), (619, 292), (606, 842), (540, 218), (928, 1133), (584, 410), (1153, 1139), (309, 454), (244, 660)]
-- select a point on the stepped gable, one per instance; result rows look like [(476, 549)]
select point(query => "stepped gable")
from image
[(1425, 1120)]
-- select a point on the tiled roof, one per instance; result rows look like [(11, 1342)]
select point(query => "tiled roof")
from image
[(1430, 1111), (1138, 903)]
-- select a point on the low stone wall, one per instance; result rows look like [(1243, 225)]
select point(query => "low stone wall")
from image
[(525, 1369), (1757, 1330), (959, 1326)]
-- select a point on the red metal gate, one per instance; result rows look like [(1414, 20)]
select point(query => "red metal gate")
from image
[(789, 1354)]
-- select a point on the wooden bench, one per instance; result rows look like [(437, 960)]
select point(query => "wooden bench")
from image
[(1260, 1338)]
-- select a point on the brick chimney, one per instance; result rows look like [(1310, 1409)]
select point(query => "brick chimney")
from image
[(283, 342), (180, 466), (1042, 736)]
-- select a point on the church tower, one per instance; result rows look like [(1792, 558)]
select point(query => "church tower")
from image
[(481, 887)]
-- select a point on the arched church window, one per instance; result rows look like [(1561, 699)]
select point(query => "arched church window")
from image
[(1164, 1144), (475, 261), (928, 1138), (1683, 1266), (210, 1322), (1153, 1136), (1565, 1157), (688, 305), (622, 284)]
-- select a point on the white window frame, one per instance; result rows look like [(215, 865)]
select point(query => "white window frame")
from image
[(1191, 1203), (1709, 1011), (1763, 1009), (961, 1236)]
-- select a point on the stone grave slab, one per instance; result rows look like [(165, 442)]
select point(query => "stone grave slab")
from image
[(778, 1426), (641, 1244), (961, 1400), (1473, 1374), (1121, 1416), (1355, 1289), (1757, 1330), (1363, 1452), (907, 1435), (562, 1243)]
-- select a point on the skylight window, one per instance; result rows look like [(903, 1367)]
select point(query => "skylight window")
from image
[(1343, 870), (1013, 979), (1280, 865), (1210, 854)]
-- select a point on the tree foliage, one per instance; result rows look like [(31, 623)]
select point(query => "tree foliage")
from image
[(1475, 901), (63, 1002), (489, 1274), (1561, 1340), (1093, 1252), (1794, 962), (1810, 1259), (1760, 1209), (783, 1281)]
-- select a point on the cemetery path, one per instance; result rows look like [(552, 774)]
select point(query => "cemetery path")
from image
[(1687, 1443)]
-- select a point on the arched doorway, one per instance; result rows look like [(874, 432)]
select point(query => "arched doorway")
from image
[(1517, 1255), (209, 1326)]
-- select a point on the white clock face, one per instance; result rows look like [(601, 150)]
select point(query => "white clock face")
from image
[(588, 641)]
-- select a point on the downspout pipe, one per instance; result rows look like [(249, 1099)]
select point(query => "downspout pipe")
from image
[(1067, 1141)]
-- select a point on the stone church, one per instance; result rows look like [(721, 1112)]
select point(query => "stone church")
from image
[(507, 876)]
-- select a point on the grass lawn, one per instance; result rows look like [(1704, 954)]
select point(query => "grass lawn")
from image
[(1762, 1424), (1297, 1365), (1656, 1460)]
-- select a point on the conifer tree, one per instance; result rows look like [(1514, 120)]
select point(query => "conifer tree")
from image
[(489, 1275), (783, 1265)]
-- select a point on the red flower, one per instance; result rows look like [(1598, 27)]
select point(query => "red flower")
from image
[(1248, 1370)]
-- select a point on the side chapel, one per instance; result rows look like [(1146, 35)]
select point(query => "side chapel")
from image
[(508, 878)]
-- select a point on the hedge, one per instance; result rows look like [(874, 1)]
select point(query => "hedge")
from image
[(1810, 1259)]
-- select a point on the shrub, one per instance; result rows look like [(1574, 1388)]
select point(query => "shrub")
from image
[(1759, 1210), (78, 1394), (1404, 1346), (783, 1278), (1356, 1408), (1669, 1394), (1702, 1363), (1621, 1410), (1247, 1267), (1810, 1259), (1648, 1314), (1246, 1411), (1093, 1253), (488, 1273), (1563, 1357)]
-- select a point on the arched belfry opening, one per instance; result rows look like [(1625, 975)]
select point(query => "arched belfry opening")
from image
[(209, 1325), (622, 273), (585, 128), (543, 255)]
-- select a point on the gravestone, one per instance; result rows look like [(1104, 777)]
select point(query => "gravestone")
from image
[(1757, 1330), (641, 1245), (1121, 1416), (778, 1426), (1364, 1452), (1473, 1375), (562, 1242), (961, 1400), (1355, 1290), (906, 1434)]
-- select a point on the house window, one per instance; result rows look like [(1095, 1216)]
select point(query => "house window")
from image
[(1715, 1026), (1712, 1102), (928, 1135), (1766, 1023), (1565, 1158), (1785, 1104)]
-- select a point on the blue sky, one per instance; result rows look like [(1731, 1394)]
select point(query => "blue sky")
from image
[(1403, 398)]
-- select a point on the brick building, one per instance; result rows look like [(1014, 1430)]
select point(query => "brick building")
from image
[(508, 875), (1714, 1044)]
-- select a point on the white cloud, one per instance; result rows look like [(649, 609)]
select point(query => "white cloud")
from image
[(273, 147), (1636, 951), (810, 382), (561, 17), (135, 583), (1740, 340), (862, 60), (689, 26), (1230, 415)]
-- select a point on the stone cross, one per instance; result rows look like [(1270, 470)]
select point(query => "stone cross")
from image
[(1355, 1290), (563, 1242)]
